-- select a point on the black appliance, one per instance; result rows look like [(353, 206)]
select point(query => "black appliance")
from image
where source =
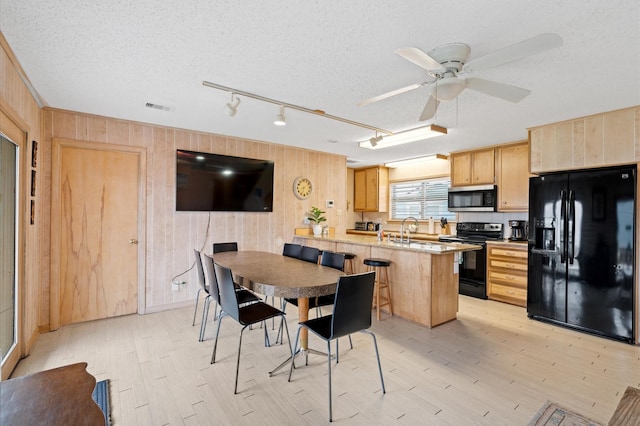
[(478, 198), (518, 230), (581, 250), (473, 268), (361, 226)]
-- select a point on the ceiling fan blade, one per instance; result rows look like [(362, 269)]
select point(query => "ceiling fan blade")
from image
[(429, 109), (525, 48), (499, 90), (390, 94), (421, 59)]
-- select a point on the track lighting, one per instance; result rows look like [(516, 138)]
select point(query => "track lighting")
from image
[(280, 120), (232, 107), (374, 140)]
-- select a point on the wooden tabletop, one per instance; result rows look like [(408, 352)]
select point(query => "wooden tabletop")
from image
[(280, 276), (61, 396)]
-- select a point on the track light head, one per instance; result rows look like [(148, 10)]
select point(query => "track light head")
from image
[(232, 107), (280, 120), (374, 141)]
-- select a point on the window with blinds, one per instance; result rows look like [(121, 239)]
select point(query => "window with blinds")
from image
[(421, 199)]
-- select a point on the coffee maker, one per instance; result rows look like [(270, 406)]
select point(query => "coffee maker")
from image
[(518, 230)]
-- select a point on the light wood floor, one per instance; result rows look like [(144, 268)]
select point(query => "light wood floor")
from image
[(492, 366)]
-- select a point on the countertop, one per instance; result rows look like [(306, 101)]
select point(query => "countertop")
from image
[(416, 236), (431, 247), (509, 243)]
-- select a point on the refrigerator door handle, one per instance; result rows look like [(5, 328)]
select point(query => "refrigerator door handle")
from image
[(563, 227), (571, 241)]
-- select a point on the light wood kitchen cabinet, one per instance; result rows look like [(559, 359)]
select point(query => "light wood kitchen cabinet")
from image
[(599, 140), (473, 167), (512, 169), (371, 189), (507, 273)]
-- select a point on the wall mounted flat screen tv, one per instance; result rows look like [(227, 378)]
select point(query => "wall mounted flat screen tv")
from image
[(222, 183)]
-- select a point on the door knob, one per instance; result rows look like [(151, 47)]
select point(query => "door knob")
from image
[(133, 241)]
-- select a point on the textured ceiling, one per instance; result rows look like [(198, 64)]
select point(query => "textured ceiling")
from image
[(111, 57)]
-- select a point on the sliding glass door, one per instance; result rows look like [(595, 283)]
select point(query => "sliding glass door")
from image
[(8, 249)]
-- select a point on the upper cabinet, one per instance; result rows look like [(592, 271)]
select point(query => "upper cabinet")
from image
[(606, 139), (473, 167), (371, 189), (512, 164)]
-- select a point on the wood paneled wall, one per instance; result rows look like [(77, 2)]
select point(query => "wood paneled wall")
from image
[(171, 236)]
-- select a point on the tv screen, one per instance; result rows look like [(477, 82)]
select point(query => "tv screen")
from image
[(221, 183)]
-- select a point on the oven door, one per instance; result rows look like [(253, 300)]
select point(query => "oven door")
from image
[(473, 271)]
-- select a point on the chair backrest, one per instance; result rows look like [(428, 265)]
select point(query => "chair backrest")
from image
[(332, 260), (214, 291), (352, 305), (201, 278), (221, 247), (291, 250), (309, 254), (228, 296)]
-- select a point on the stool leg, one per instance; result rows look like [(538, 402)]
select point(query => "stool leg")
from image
[(388, 285), (378, 285)]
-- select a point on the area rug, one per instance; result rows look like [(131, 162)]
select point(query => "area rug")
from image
[(101, 396), (552, 414)]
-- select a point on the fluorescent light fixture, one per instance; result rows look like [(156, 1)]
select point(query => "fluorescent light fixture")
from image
[(407, 136), (417, 160)]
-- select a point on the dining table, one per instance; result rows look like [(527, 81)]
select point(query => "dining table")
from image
[(276, 275)]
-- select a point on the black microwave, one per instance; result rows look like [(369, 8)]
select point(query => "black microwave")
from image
[(480, 198)]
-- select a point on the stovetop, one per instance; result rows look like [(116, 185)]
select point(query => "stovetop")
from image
[(475, 232)]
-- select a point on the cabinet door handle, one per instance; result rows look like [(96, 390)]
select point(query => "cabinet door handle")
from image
[(509, 277), (509, 265), (511, 292), (509, 253)]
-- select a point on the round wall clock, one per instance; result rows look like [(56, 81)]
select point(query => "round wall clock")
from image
[(302, 187)]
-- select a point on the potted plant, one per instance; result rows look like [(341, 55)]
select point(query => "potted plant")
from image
[(315, 215)]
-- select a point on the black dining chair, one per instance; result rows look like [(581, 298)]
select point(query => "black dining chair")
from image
[(244, 296), (351, 313), (291, 250), (309, 254), (245, 315), (222, 247), (202, 287)]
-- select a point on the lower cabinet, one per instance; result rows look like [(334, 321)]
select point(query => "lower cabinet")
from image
[(507, 273)]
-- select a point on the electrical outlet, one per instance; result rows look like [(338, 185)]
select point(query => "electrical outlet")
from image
[(178, 285)]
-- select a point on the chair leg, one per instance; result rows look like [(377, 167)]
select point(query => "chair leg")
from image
[(329, 364), (350, 342), (215, 345), (375, 345), (235, 388), (196, 310), (295, 348), (205, 314)]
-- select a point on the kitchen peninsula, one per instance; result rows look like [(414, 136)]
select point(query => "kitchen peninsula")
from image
[(423, 275)]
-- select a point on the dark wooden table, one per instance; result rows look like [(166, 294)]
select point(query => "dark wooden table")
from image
[(272, 274), (61, 396)]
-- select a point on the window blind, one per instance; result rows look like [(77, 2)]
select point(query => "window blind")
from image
[(422, 199)]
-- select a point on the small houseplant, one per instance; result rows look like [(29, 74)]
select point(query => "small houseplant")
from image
[(315, 215)]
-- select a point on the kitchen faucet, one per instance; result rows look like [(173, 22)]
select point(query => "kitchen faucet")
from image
[(409, 232)]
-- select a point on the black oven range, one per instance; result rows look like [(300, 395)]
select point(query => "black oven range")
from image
[(473, 268)]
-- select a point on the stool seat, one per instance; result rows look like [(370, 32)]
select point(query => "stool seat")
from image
[(372, 261), (347, 256)]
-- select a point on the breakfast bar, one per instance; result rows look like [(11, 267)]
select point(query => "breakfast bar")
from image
[(423, 274)]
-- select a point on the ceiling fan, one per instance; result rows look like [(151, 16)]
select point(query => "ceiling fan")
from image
[(446, 63)]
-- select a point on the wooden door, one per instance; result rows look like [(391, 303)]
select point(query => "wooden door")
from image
[(95, 213), (372, 189), (513, 178), (460, 169), (359, 190), (483, 166)]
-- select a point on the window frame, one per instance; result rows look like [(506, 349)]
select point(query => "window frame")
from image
[(424, 202)]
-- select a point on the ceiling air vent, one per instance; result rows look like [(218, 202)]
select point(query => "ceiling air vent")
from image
[(157, 106)]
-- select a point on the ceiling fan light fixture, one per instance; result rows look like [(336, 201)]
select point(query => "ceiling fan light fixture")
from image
[(413, 135), (448, 88), (280, 120), (232, 107)]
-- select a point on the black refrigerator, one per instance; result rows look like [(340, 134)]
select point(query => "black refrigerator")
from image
[(581, 250)]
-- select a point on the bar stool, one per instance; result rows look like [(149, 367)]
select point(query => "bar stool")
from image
[(380, 266), (348, 262)]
